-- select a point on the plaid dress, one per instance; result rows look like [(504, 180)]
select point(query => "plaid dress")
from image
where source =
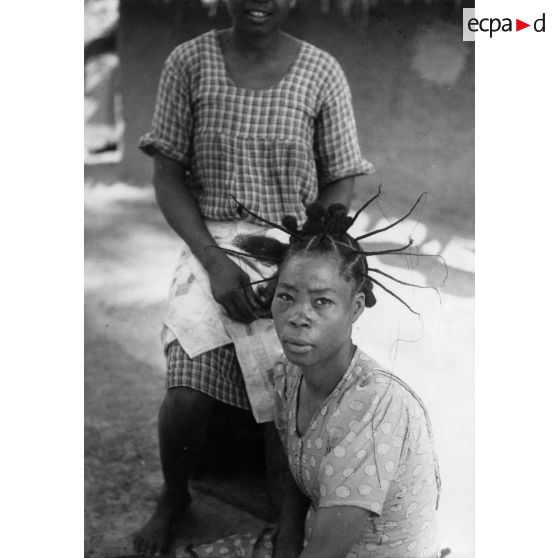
[(272, 149)]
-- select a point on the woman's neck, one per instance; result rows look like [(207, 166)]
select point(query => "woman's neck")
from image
[(255, 47), (321, 378)]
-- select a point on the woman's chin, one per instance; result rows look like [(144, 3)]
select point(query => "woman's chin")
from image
[(298, 354)]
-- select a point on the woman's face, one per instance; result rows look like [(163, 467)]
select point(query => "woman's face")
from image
[(314, 309), (259, 16)]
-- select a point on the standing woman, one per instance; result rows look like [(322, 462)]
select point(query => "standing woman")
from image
[(254, 113)]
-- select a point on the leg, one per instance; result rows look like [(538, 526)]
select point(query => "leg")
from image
[(183, 419)]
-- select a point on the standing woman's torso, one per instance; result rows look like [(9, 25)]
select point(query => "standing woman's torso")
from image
[(268, 147), (256, 144), (259, 70)]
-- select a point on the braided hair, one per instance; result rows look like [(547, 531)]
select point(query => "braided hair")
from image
[(325, 231)]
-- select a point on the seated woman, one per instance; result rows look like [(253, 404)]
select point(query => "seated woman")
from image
[(365, 478)]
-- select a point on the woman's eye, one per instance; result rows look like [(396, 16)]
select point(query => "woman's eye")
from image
[(284, 296), (323, 301)]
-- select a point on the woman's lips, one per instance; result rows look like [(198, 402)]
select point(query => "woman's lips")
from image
[(257, 15), (297, 345)]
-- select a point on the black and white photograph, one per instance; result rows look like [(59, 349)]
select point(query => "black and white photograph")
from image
[(279, 279)]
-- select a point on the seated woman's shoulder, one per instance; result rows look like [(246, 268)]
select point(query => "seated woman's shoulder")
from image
[(379, 382)]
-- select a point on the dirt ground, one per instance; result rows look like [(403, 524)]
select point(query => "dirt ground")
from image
[(130, 255)]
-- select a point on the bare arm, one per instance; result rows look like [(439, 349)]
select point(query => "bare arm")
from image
[(229, 284), (340, 191), (334, 531), (290, 536)]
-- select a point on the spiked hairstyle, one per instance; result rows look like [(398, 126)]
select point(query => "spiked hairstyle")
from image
[(324, 232)]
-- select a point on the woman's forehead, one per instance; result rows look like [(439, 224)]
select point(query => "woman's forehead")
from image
[(318, 271)]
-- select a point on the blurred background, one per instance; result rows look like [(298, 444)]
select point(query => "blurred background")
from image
[(412, 80)]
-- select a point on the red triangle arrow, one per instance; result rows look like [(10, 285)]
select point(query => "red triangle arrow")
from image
[(519, 25)]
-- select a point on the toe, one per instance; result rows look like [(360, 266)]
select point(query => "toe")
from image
[(144, 547)]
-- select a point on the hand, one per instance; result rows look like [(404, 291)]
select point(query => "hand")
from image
[(231, 288), (264, 295)]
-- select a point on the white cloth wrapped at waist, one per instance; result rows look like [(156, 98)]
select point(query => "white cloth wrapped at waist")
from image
[(200, 324)]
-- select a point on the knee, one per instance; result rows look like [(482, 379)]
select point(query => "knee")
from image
[(185, 404)]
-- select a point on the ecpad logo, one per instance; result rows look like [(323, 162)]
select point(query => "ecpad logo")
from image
[(492, 25)]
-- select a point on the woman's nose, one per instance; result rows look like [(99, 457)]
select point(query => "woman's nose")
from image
[(300, 318)]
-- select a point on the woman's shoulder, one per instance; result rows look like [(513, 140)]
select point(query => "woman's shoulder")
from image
[(376, 392), (314, 61), (190, 54), (319, 55), (377, 382)]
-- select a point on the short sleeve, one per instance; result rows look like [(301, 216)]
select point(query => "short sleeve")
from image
[(172, 120), (336, 146), (358, 471)]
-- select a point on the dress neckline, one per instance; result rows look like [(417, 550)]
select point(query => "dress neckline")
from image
[(228, 78), (334, 393)]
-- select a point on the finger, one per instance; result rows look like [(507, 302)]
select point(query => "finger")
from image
[(264, 300), (251, 298), (237, 307), (232, 310), (264, 313), (244, 307), (243, 314), (240, 311)]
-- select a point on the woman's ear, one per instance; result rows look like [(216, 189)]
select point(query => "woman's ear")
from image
[(358, 306)]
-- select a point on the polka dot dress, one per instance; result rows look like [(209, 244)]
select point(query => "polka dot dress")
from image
[(247, 545), (370, 446)]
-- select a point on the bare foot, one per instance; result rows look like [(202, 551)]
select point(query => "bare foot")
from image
[(157, 535)]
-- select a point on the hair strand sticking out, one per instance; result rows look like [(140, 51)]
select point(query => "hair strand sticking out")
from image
[(325, 231)]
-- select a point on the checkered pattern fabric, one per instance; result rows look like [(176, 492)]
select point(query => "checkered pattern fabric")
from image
[(271, 148), (215, 373)]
